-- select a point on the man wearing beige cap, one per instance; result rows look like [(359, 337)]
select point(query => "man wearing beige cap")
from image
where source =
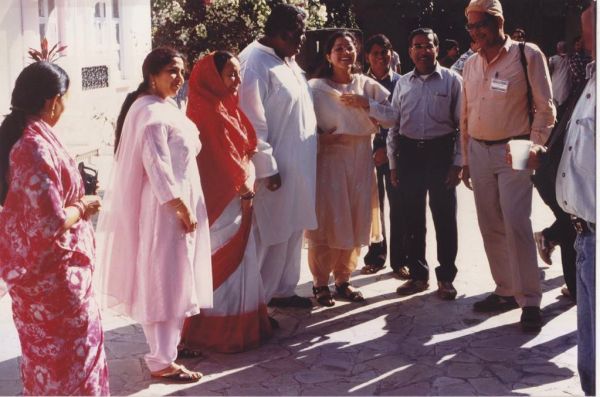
[(498, 106)]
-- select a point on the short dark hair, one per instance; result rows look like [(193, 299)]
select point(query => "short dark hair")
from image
[(283, 18), (380, 40), (423, 32), (521, 31), (447, 45)]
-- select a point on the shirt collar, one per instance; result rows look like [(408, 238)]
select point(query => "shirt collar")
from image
[(508, 42), (388, 75), (590, 70), (438, 70)]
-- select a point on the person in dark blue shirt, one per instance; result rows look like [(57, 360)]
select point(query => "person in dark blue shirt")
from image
[(378, 50)]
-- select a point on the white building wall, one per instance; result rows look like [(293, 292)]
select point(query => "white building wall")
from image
[(11, 53), (88, 122)]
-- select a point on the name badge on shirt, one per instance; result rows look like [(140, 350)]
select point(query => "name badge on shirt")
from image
[(499, 85)]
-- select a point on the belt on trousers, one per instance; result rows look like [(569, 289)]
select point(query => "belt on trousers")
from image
[(423, 143), (582, 226), (501, 141)]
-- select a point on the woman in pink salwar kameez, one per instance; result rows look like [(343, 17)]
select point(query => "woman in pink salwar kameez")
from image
[(47, 244), (154, 247)]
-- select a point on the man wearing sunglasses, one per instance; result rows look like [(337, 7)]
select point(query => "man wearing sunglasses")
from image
[(495, 110)]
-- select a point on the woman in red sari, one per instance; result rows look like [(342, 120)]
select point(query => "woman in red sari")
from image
[(238, 320), (47, 243)]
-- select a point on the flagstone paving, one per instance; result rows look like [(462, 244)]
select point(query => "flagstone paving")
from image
[(390, 345)]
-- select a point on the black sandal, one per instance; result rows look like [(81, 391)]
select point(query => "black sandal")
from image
[(323, 296), (344, 292), (371, 268)]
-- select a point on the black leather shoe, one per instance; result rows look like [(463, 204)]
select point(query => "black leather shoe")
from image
[(412, 287), (531, 319), (495, 303)]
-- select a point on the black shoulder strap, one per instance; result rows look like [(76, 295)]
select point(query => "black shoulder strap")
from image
[(529, 95)]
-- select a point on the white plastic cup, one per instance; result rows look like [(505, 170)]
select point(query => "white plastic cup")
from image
[(519, 151)]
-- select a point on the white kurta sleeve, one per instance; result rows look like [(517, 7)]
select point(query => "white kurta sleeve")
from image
[(253, 93), (379, 106), (156, 157)]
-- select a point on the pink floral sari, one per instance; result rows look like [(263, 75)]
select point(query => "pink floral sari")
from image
[(49, 273)]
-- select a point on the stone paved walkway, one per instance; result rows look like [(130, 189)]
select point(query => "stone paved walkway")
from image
[(416, 345)]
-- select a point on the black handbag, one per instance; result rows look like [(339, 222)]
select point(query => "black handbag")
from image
[(90, 178)]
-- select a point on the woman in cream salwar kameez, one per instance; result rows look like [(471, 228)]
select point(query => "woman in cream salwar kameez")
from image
[(347, 105)]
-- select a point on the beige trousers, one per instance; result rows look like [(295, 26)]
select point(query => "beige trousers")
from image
[(324, 260), (503, 202)]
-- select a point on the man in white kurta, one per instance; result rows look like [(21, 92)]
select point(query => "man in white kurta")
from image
[(275, 96)]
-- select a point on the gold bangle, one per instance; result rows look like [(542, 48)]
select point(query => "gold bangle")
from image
[(80, 208)]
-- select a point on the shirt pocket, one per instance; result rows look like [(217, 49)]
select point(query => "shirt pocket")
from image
[(439, 107), (584, 146)]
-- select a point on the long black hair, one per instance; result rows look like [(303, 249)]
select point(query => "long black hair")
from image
[(325, 69), (36, 84), (154, 62)]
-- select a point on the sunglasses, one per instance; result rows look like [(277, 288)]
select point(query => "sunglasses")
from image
[(477, 25), (427, 47)]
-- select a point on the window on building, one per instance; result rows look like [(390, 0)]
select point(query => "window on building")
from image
[(117, 31), (47, 20), (100, 21)]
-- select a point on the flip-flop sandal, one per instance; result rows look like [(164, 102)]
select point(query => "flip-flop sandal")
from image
[(371, 268), (178, 374), (186, 353), (344, 292)]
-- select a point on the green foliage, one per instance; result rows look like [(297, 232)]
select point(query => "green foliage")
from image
[(198, 26)]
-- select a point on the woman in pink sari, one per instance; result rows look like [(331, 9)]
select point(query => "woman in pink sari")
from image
[(238, 320), (47, 243)]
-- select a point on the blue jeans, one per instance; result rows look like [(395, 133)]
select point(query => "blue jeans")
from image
[(585, 246)]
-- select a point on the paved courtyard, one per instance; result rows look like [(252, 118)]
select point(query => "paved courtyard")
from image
[(390, 345)]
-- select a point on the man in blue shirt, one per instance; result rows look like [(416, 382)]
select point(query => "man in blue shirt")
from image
[(379, 55), (424, 154)]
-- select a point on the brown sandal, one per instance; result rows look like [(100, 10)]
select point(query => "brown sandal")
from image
[(177, 373), (344, 292), (323, 296)]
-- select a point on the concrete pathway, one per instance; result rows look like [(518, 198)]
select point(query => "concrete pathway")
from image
[(416, 345)]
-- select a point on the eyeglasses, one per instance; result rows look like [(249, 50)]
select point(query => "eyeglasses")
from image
[(477, 25), (427, 46)]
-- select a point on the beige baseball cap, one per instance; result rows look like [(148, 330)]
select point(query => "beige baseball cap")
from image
[(492, 7)]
